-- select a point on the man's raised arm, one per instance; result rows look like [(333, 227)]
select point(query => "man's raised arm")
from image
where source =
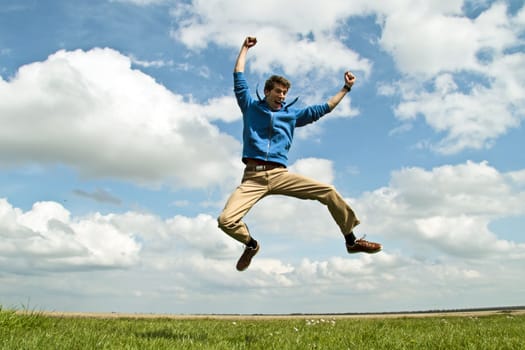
[(349, 82), (241, 59)]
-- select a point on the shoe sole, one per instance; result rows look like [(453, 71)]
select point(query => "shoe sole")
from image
[(363, 251)]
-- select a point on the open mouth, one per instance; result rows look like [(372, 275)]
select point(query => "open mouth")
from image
[(277, 103)]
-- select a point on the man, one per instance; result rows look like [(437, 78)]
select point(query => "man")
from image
[(267, 136)]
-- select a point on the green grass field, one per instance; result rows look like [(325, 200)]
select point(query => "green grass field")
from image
[(34, 330)]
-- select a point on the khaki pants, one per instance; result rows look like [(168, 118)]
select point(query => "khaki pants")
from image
[(257, 184)]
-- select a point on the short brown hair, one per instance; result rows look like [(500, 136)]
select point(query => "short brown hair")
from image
[(276, 79)]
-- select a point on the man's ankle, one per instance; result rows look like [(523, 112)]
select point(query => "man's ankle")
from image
[(252, 243), (350, 238)]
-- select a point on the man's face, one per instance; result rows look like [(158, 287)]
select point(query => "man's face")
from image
[(275, 97)]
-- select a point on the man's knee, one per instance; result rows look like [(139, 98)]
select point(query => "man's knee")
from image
[(331, 195), (225, 222)]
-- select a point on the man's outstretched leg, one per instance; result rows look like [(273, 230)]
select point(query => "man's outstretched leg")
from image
[(298, 186)]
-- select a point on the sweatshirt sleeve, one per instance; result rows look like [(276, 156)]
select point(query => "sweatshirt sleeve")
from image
[(241, 90), (311, 114)]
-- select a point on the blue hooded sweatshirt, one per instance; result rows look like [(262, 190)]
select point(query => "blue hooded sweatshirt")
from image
[(267, 134)]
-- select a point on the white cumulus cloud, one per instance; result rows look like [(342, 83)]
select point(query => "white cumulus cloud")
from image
[(47, 238), (92, 112), (447, 49), (448, 209)]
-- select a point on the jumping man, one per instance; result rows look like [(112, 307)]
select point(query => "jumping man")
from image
[(269, 125)]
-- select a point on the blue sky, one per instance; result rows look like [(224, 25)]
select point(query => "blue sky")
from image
[(120, 142)]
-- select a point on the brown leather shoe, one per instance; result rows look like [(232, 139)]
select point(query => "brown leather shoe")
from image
[(363, 246), (246, 257)]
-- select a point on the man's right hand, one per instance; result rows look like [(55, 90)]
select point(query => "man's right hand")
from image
[(250, 41)]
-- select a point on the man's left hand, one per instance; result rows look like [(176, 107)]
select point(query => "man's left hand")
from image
[(349, 79)]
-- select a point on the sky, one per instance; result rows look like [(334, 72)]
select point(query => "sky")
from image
[(120, 141)]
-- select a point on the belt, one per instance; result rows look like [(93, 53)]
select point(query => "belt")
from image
[(259, 165)]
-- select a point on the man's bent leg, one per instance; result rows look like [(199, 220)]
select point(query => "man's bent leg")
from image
[(249, 192)]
